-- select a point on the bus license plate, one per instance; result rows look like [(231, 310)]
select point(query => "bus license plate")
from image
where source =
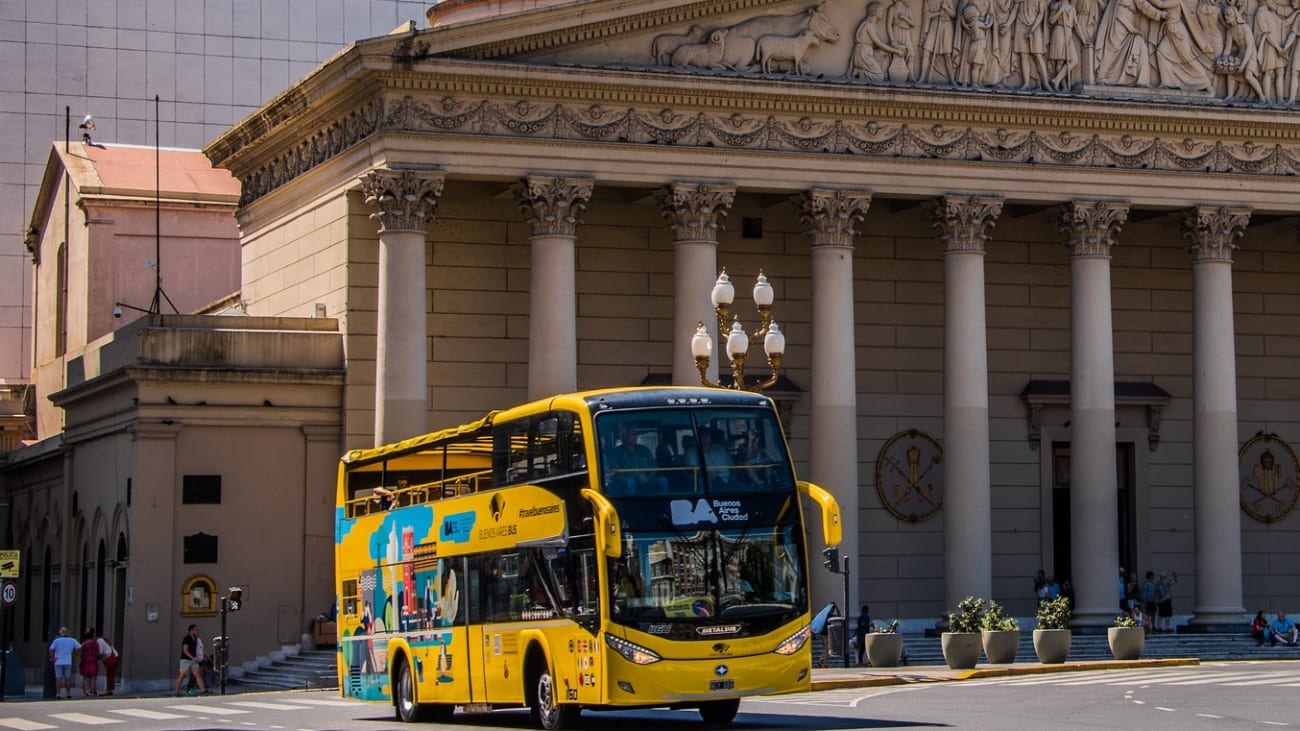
[(727, 684)]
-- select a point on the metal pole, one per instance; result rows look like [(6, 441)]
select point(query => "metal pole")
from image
[(222, 652), (844, 637)]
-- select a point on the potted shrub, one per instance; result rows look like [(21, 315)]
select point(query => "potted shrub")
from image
[(1126, 638), (1000, 634), (884, 645), (1052, 636), (962, 643)]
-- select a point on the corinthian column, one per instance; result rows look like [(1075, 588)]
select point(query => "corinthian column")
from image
[(552, 207), (832, 217), (1211, 232), (1090, 229), (404, 202), (965, 224), (694, 212)]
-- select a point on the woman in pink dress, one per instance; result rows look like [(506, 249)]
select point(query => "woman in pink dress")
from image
[(89, 663)]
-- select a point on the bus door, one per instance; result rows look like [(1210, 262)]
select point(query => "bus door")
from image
[(497, 606), (444, 655)]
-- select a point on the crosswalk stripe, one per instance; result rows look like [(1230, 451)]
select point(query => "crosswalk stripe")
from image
[(85, 718), (22, 724), (208, 710), (1214, 678), (1264, 678), (143, 713), (329, 702), (270, 706)]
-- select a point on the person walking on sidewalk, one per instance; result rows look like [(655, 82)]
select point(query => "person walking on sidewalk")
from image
[(108, 654), (190, 660), (864, 627), (61, 651)]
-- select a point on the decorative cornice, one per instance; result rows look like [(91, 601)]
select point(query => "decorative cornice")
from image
[(1212, 230), (832, 215), (1091, 227), (836, 134), (405, 199), (693, 210), (965, 223), (552, 206)]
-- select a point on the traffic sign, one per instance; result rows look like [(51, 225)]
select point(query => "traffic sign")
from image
[(9, 593), (9, 564)]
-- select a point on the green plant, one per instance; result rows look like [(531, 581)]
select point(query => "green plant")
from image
[(1054, 614), (996, 619), (968, 617), (890, 628), (1124, 620)]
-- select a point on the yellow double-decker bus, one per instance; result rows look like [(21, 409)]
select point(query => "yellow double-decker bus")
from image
[(615, 549)]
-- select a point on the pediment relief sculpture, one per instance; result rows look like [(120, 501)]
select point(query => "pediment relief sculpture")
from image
[(1185, 50)]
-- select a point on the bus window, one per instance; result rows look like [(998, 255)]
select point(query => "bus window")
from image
[(537, 448)]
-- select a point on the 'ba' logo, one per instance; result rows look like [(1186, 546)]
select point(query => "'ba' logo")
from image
[(684, 514)]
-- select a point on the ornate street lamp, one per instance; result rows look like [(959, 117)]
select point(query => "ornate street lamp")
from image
[(737, 341)]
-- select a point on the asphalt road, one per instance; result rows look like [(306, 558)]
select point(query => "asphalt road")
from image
[(1216, 696)]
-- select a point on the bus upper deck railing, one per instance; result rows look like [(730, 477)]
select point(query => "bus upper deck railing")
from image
[(419, 494)]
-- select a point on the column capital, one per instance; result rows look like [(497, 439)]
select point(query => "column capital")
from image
[(404, 199), (1212, 231), (832, 215), (965, 222), (552, 206), (693, 210), (1091, 227)]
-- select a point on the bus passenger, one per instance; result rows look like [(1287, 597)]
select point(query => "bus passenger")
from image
[(630, 464)]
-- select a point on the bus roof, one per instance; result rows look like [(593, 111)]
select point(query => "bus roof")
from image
[(476, 437)]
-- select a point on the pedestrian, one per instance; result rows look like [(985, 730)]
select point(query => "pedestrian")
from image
[(1259, 630), (61, 651), (819, 627), (1165, 600), (860, 634), (1149, 600), (108, 655), (190, 658), (1040, 586), (88, 663), (1284, 631)]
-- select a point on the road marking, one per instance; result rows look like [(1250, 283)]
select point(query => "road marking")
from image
[(1208, 715), (1163, 708), (1265, 677), (142, 713), (211, 710), (22, 724), (329, 702), (1274, 723), (85, 718), (270, 706)]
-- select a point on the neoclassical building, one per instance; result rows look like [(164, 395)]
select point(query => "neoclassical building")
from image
[(1036, 262)]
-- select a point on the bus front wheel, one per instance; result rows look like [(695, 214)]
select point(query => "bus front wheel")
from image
[(549, 712), (720, 712)]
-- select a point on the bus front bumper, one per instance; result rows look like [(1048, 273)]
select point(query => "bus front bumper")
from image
[(682, 682)]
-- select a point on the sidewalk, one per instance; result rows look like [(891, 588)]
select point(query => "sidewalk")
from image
[(870, 677)]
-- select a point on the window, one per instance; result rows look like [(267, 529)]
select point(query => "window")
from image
[(198, 596), (200, 548), (201, 490)]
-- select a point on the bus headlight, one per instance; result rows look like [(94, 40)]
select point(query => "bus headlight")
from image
[(630, 652), (794, 642)]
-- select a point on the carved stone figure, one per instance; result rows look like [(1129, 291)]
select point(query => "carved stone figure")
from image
[(780, 49), (1123, 56), (1181, 46), (742, 39), (1062, 52), (1240, 58), (975, 30), (869, 41), (1293, 47), (937, 43), (1029, 41), (1272, 54), (703, 55), (898, 30), (662, 48)]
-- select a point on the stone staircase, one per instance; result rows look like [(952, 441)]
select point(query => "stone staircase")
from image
[(922, 650), (309, 669)]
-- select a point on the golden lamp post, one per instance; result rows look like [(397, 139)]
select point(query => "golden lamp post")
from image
[(737, 341)]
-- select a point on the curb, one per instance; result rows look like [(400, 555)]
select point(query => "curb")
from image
[(879, 681)]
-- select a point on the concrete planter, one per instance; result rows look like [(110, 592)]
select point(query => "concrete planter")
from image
[(961, 650), (1052, 645), (884, 649), (1000, 646), (1126, 642)]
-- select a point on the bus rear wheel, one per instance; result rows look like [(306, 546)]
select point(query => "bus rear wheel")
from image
[(720, 712), (407, 710), (549, 712)]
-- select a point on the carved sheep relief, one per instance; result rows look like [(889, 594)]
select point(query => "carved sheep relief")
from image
[(1240, 50)]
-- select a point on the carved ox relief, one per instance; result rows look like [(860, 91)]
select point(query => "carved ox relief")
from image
[(1187, 50)]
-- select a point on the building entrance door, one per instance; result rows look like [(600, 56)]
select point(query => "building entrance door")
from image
[(1126, 512)]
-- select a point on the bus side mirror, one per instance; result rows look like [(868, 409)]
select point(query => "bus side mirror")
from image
[(609, 534), (832, 525)]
